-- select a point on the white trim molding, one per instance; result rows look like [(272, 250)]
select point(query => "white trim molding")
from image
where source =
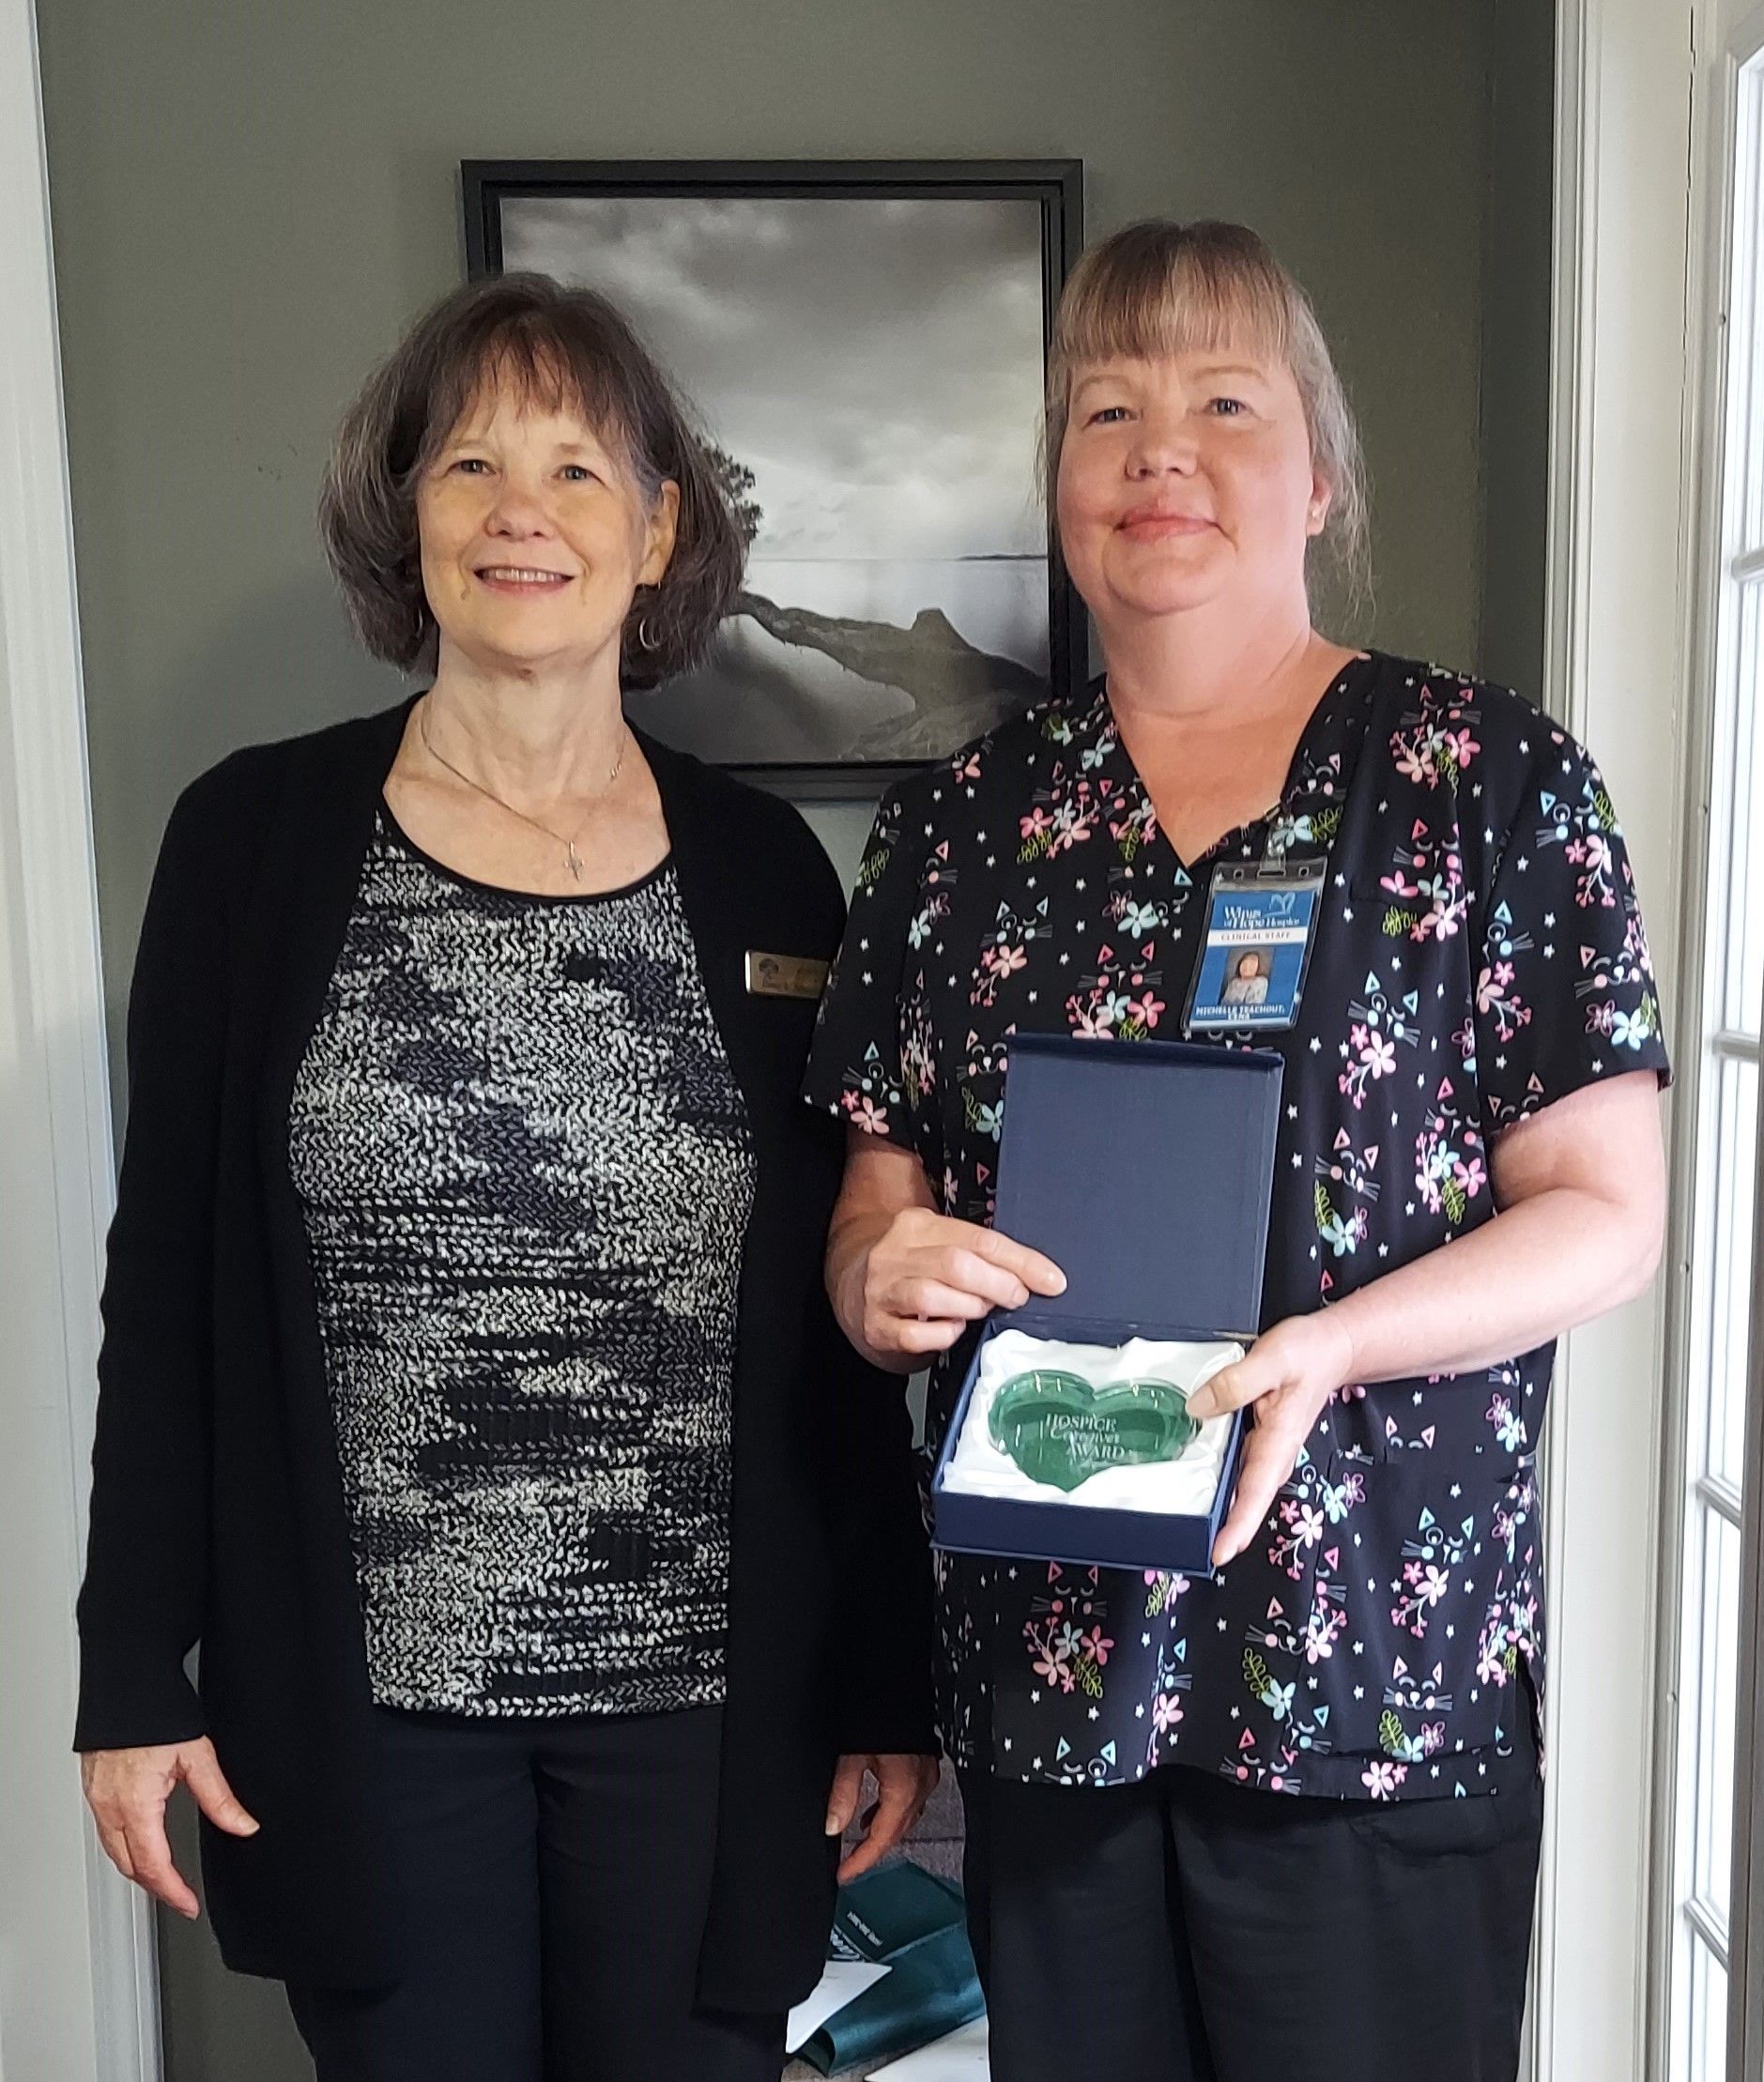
[(78, 1993), (1745, 2004), (1616, 672), (1724, 322), (1721, 314)]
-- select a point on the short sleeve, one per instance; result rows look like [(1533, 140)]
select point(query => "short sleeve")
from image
[(1565, 990), (862, 1064)]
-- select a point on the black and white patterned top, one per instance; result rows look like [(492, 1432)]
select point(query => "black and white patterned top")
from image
[(526, 1173)]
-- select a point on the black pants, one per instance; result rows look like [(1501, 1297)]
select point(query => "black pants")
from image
[(1188, 1930), (554, 1877)]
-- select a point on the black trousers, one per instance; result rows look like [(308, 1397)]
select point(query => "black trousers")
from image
[(554, 1877), (1190, 1930)]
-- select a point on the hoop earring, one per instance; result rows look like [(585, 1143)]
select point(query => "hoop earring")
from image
[(646, 640)]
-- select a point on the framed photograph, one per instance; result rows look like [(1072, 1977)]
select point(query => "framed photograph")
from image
[(865, 348)]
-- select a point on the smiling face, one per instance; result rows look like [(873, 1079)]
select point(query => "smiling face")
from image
[(535, 535), (1186, 479)]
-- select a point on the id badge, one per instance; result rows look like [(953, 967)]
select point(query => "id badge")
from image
[(1261, 921)]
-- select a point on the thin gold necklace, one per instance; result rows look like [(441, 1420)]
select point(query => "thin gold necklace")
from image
[(572, 859)]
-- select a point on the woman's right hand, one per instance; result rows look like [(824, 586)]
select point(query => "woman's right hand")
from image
[(906, 1281), (126, 1791), (926, 1277)]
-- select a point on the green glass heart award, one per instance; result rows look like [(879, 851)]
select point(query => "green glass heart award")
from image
[(1058, 1428)]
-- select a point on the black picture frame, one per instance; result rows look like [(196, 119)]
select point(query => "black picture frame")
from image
[(488, 187)]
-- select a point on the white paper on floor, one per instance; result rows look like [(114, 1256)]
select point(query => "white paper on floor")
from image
[(844, 1980), (959, 2058)]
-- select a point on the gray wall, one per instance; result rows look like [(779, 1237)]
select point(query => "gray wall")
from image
[(1515, 398), (249, 203)]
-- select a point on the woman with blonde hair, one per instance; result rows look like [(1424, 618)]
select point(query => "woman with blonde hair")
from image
[(1284, 1818)]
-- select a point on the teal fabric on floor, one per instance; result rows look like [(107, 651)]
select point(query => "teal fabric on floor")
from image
[(913, 1922)]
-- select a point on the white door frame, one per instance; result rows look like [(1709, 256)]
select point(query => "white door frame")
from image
[(78, 1990), (1728, 34), (1618, 672)]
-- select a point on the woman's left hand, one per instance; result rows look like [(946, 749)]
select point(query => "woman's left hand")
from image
[(1288, 1374), (903, 1784)]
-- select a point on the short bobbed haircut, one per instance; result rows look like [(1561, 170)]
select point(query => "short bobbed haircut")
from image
[(1160, 288), (558, 349)]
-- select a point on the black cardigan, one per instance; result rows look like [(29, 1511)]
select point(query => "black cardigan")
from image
[(218, 1515)]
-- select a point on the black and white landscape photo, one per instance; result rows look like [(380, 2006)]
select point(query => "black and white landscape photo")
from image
[(868, 370)]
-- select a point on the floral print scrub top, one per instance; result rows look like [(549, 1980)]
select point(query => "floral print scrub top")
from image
[(1479, 955)]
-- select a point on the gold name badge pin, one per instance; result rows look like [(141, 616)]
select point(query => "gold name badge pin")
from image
[(785, 976)]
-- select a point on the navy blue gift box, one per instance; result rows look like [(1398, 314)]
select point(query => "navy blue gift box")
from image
[(1144, 1170)]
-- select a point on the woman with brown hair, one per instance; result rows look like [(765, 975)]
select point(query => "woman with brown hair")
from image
[(1282, 1819), (467, 1396)]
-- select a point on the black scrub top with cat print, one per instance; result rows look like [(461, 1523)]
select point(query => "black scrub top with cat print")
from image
[(1480, 954)]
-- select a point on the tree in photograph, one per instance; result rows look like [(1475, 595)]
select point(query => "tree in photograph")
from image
[(957, 689), (737, 483)]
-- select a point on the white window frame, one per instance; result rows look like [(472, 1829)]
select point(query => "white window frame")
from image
[(1746, 2017), (1720, 290), (1617, 673)]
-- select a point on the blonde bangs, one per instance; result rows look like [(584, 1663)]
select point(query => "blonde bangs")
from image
[(1160, 288), (1138, 298)]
